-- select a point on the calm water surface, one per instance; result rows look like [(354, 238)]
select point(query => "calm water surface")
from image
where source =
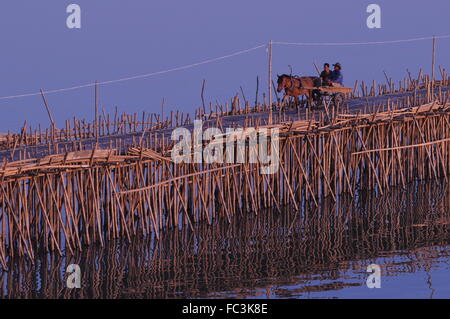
[(317, 253)]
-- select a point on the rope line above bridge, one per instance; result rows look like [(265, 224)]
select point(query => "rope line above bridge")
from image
[(134, 77), (212, 60), (360, 43)]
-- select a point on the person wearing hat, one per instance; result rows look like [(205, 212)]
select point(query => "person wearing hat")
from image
[(336, 76)]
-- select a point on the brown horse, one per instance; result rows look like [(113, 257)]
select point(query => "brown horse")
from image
[(296, 86)]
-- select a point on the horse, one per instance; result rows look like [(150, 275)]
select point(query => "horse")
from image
[(296, 86)]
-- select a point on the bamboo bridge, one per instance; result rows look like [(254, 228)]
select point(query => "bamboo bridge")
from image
[(64, 189)]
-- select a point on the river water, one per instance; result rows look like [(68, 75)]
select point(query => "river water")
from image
[(316, 253)]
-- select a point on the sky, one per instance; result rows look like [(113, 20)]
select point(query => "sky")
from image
[(120, 38)]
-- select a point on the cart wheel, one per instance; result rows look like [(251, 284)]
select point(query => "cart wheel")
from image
[(317, 101)]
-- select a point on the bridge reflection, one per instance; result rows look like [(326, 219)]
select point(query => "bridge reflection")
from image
[(254, 255)]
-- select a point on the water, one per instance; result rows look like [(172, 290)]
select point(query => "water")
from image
[(318, 253)]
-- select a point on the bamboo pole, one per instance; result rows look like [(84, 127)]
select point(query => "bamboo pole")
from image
[(433, 62), (270, 83)]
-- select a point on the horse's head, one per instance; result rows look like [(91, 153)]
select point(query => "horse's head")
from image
[(282, 82)]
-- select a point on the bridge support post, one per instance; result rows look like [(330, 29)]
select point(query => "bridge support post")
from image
[(270, 82), (433, 62)]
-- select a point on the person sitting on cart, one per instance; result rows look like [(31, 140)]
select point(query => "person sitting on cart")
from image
[(325, 75), (336, 77)]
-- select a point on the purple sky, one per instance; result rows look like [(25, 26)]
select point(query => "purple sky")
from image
[(122, 38)]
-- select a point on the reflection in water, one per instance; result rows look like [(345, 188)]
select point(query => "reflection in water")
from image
[(318, 251)]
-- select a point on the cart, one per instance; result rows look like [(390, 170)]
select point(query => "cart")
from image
[(330, 94)]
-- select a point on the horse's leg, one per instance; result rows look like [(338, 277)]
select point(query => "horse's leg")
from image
[(310, 98), (283, 100), (297, 101)]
